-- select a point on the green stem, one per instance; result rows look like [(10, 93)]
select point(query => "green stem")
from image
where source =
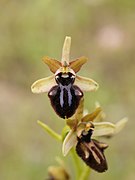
[(85, 173), (50, 131), (77, 164)]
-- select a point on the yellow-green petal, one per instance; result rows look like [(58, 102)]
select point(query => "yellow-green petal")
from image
[(86, 84), (64, 132), (107, 128), (120, 125), (79, 112), (101, 115), (92, 116), (43, 85), (69, 142), (103, 128), (84, 126), (71, 123)]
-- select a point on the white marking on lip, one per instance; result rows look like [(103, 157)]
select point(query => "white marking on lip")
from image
[(51, 93), (65, 75), (77, 92), (87, 154), (62, 98), (69, 97)]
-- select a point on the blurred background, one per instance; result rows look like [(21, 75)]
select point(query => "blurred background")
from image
[(103, 31)]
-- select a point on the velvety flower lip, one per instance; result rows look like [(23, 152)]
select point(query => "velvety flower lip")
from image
[(45, 84), (91, 152)]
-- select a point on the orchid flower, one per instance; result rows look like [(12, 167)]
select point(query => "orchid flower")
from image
[(80, 123), (45, 84), (65, 88)]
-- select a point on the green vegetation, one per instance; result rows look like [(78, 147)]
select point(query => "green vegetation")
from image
[(101, 30)]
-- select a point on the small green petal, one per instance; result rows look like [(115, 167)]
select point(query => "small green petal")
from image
[(102, 115), (64, 132), (43, 85), (84, 126), (103, 128), (79, 112), (69, 142), (120, 125), (86, 84), (107, 128), (92, 116), (71, 123), (80, 128)]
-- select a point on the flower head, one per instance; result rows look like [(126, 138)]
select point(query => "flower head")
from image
[(83, 133), (90, 150), (64, 88)]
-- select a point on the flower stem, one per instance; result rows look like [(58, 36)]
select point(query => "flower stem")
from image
[(76, 163), (85, 173), (50, 131)]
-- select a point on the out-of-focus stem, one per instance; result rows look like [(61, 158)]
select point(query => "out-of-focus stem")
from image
[(77, 164), (50, 131), (85, 173)]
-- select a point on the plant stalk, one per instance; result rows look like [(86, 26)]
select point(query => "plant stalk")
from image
[(50, 131)]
